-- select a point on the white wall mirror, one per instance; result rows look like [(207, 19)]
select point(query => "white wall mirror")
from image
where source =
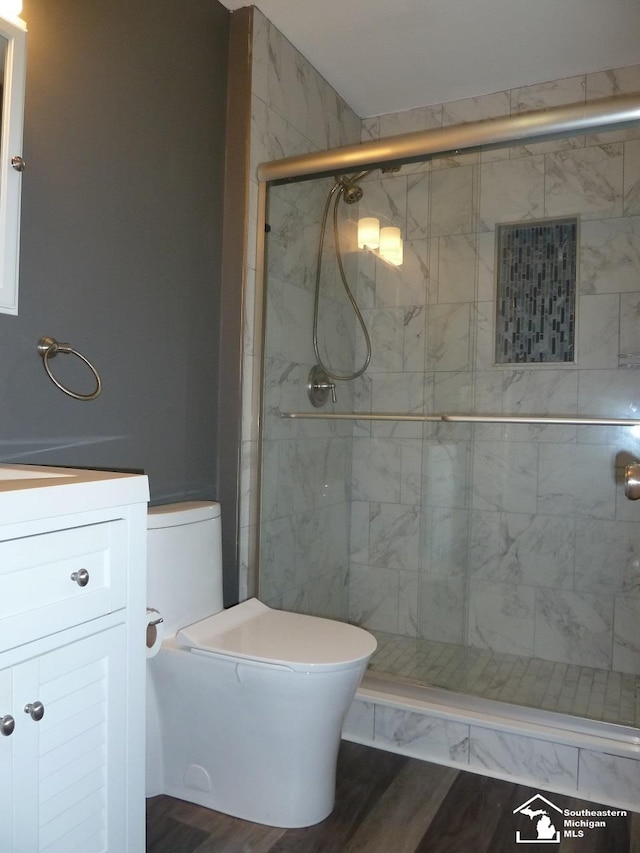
[(13, 62)]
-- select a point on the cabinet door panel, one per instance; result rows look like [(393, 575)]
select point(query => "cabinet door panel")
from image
[(6, 763), (70, 825), (67, 767), (87, 838), (62, 683), (68, 750), (25, 758), (81, 735), (70, 791), (74, 713)]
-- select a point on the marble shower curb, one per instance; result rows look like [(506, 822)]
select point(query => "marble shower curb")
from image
[(566, 755)]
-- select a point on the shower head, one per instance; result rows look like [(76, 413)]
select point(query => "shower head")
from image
[(350, 189), (349, 185)]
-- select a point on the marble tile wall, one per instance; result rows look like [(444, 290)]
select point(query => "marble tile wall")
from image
[(510, 538)]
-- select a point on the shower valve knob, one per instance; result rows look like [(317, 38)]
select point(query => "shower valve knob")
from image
[(327, 386), (319, 387)]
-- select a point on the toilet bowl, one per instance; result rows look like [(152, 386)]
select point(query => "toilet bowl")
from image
[(245, 705)]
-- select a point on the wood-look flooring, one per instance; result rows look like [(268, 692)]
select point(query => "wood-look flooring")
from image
[(387, 803)]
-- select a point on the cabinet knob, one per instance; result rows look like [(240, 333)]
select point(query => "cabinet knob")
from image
[(81, 577), (7, 725), (632, 481), (35, 710)]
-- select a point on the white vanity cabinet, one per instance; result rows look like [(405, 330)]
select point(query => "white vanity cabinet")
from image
[(72, 662)]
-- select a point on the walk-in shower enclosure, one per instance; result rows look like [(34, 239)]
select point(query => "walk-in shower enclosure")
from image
[(494, 553)]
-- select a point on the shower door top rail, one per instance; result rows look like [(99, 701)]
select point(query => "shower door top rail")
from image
[(597, 115), (463, 418)]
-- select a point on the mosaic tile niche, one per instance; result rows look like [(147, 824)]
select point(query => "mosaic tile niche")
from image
[(536, 291)]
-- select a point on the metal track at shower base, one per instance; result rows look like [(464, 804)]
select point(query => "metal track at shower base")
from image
[(462, 419)]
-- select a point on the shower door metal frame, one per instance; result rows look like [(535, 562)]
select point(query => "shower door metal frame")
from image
[(596, 116)]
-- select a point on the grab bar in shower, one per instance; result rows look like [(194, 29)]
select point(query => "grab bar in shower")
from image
[(468, 419)]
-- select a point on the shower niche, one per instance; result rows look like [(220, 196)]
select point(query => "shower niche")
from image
[(536, 281)]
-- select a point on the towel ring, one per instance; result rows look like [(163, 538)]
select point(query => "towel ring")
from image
[(50, 347)]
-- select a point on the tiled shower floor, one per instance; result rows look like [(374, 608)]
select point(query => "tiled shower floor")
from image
[(579, 690)]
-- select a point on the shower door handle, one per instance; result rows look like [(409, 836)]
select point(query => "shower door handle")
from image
[(632, 481)]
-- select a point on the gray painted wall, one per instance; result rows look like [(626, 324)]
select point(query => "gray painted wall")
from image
[(121, 239)]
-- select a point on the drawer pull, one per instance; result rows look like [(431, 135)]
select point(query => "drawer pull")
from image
[(7, 725), (81, 577), (35, 710)]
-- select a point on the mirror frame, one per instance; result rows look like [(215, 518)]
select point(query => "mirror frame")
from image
[(14, 30)]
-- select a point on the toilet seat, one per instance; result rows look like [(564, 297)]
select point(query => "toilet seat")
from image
[(252, 631)]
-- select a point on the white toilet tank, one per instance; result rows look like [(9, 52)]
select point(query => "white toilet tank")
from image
[(184, 562)]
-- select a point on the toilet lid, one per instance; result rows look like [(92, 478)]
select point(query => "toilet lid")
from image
[(253, 631)]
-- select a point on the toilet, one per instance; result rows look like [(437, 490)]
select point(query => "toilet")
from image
[(245, 706)]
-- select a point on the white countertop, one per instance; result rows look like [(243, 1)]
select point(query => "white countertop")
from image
[(29, 491)]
